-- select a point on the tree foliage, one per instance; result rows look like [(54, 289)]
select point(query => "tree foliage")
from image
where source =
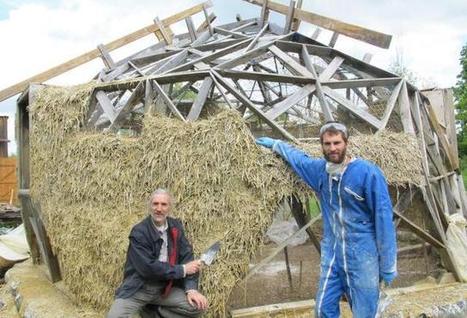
[(460, 93), (399, 67)]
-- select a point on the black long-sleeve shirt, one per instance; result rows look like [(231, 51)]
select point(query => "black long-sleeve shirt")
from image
[(142, 262)]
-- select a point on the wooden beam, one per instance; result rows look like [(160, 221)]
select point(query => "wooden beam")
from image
[(275, 310), (420, 232), (105, 56), (292, 65), (333, 40), (390, 106), (281, 107), (89, 56), (354, 31), (207, 22), (331, 68), (452, 160), (319, 92), (191, 28), (364, 115), (167, 101), (106, 105), (406, 116), (164, 32), (264, 13), (213, 56), (244, 100), (233, 34), (289, 17), (134, 99), (266, 77), (256, 38), (315, 34), (200, 99), (296, 22), (47, 255)]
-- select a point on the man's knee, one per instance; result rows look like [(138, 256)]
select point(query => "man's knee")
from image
[(123, 308)]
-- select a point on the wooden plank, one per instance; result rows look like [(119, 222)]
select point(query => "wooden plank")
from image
[(356, 83), (236, 35), (315, 34), (191, 28), (333, 40), (289, 16), (171, 63), (207, 22), (245, 57), (45, 247), (281, 107), (106, 105), (105, 56), (26, 213), (292, 65), (367, 117), (390, 106), (256, 38), (89, 56), (167, 101), (200, 99), (296, 22), (452, 160), (264, 13), (164, 32), (331, 68), (244, 100), (319, 92), (212, 56), (405, 114), (354, 31), (274, 309), (266, 77), (367, 57), (134, 99)]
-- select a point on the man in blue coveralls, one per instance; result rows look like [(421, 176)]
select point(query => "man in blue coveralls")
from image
[(358, 250)]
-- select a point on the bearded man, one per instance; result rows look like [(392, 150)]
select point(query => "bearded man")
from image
[(358, 249)]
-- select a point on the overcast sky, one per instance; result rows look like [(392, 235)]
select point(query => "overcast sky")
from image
[(39, 34)]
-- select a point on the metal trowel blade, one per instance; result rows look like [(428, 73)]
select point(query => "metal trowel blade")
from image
[(210, 254)]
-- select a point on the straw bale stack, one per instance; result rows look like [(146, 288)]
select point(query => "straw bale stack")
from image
[(93, 187)]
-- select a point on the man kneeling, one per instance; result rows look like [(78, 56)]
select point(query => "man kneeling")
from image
[(160, 277)]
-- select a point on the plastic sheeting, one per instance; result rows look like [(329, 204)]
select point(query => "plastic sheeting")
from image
[(13, 245), (457, 243)]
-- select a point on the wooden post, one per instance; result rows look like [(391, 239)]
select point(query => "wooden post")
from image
[(333, 40), (289, 17), (105, 56)]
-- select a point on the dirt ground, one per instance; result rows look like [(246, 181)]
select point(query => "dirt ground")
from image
[(271, 285)]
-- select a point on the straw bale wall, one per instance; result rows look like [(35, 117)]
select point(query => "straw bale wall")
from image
[(93, 187)]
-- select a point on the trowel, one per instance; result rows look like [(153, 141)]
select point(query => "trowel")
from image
[(210, 253)]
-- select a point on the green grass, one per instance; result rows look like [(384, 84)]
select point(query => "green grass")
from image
[(464, 170)]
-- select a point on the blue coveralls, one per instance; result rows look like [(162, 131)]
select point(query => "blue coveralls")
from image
[(359, 241)]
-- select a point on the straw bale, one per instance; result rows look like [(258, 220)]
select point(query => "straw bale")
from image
[(397, 154), (93, 188)]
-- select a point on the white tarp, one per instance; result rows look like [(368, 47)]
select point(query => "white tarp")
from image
[(13, 245), (457, 243)]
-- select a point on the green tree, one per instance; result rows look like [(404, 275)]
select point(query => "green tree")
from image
[(460, 94)]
